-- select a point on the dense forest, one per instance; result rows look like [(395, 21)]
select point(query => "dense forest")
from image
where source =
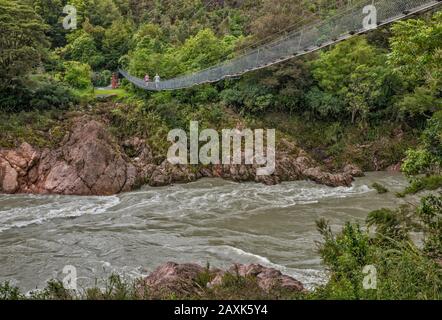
[(374, 101), (382, 86)]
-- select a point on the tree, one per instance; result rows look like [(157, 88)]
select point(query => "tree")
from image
[(116, 42), (83, 49), (51, 12), (22, 41), (427, 158), (198, 52), (417, 57), (355, 73), (99, 12), (205, 50), (78, 75)]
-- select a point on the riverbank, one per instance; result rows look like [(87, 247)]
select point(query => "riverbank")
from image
[(108, 148), (89, 160)]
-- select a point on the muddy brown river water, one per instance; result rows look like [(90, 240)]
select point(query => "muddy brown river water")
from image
[(213, 221)]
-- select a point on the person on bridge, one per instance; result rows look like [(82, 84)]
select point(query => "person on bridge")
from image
[(146, 78), (157, 80)]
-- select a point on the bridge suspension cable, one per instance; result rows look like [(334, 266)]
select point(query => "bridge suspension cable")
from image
[(311, 37)]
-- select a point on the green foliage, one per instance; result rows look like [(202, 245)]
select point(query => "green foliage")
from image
[(9, 292), (281, 88), (428, 157), (102, 79), (416, 46), (51, 12), (417, 162), (40, 128), (22, 42), (373, 147), (78, 75), (354, 80), (37, 92), (204, 50), (432, 182), (346, 251), (84, 50), (430, 212), (324, 104), (98, 12), (48, 93), (198, 52), (391, 225), (404, 271), (379, 188), (133, 119), (54, 290), (116, 42), (249, 97), (416, 56), (432, 137)]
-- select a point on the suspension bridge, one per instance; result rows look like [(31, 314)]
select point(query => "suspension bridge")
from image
[(356, 19)]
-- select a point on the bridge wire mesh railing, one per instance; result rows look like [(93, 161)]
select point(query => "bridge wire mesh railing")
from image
[(309, 38)]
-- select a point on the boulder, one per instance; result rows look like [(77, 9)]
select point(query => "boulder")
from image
[(184, 279), (88, 162), (395, 168), (8, 177), (173, 278), (353, 170)]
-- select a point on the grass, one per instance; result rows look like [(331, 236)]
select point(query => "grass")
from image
[(233, 287), (120, 93), (38, 128)]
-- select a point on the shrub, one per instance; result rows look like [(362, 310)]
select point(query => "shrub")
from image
[(102, 79), (39, 92), (403, 269), (78, 75), (379, 188)]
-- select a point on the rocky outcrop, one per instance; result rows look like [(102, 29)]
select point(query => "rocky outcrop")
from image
[(267, 279), (193, 279), (291, 164), (174, 278), (395, 168), (90, 162), (353, 170)]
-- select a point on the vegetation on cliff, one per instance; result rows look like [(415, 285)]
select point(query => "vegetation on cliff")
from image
[(374, 101), (365, 100)]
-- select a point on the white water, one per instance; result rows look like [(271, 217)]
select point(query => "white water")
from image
[(211, 221)]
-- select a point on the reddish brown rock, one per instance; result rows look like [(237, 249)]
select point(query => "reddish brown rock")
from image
[(90, 162), (395, 168), (8, 177), (353, 170), (173, 278), (267, 278), (184, 279)]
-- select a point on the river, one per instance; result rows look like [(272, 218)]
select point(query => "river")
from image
[(213, 221)]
